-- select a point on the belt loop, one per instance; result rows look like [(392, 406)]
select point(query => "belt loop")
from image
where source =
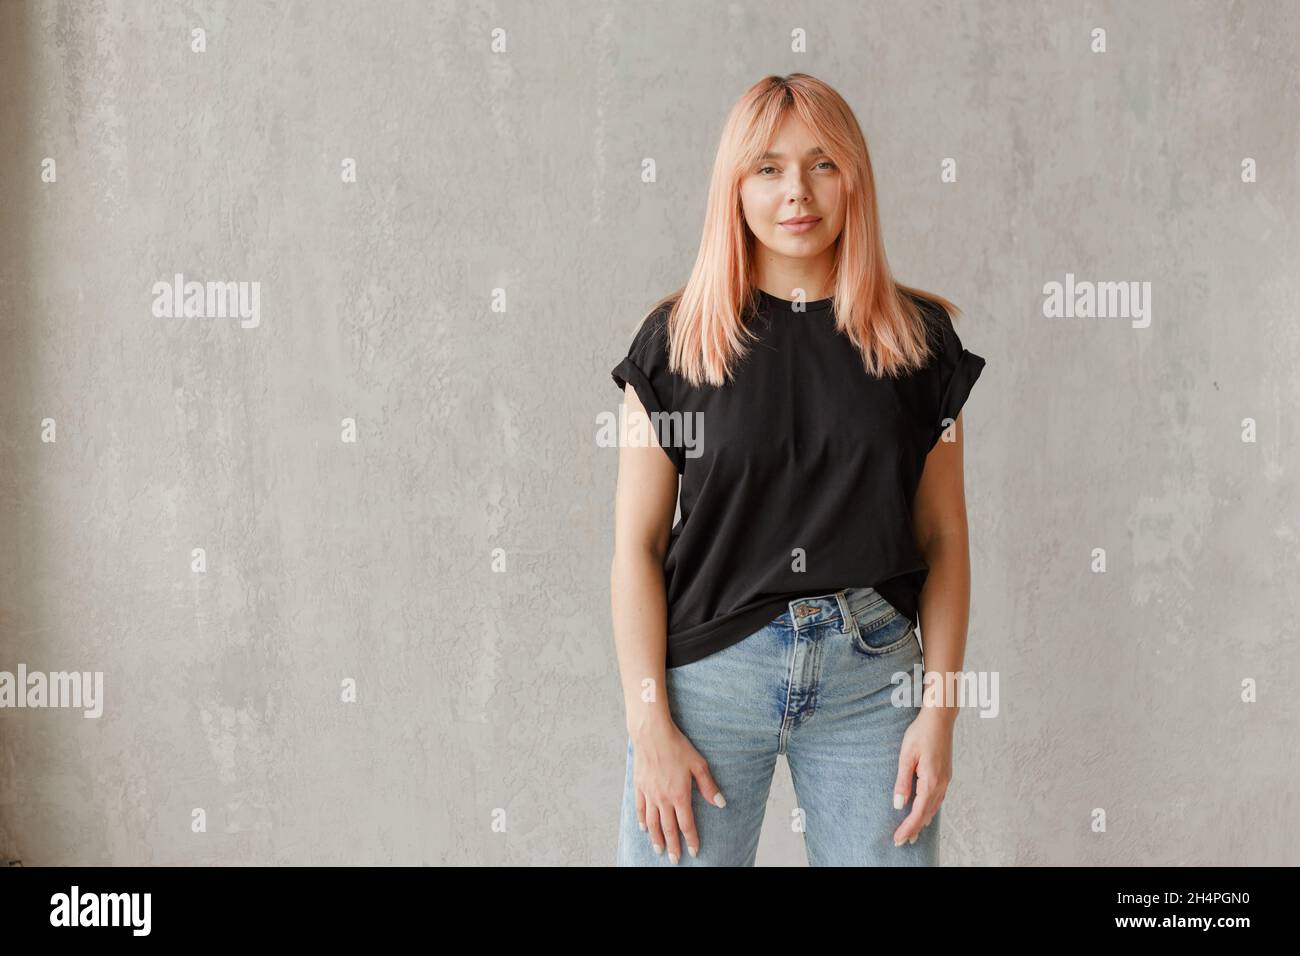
[(848, 625)]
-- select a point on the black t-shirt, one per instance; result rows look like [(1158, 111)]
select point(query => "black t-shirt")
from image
[(801, 479)]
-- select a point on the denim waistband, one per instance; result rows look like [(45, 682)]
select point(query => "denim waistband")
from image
[(836, 607)]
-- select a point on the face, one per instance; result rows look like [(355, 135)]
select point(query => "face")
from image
[(794, 181)]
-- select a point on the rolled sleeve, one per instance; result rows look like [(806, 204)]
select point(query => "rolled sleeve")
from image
[(645, 368), (958, 369)]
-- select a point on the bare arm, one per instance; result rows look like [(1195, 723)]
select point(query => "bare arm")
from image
[(645, 501), (939, 522), (666, 764)]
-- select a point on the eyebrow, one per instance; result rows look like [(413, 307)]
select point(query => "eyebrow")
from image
[(815, 151)]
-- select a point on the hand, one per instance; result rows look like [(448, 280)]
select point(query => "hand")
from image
[(926, 753), (664, 765)]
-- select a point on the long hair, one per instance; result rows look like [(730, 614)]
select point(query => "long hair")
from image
[(707, 331)]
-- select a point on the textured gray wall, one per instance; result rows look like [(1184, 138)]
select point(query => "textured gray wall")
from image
[(488, 724)]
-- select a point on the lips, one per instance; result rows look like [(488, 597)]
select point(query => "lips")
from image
[(800, 224)]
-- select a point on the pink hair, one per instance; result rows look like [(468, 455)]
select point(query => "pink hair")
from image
[(706, 330)]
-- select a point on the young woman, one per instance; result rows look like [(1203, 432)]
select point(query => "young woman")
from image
[(810, 406)]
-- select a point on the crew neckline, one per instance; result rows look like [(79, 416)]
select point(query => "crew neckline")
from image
[(813, 305)]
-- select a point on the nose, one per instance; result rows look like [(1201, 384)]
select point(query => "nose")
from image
[(798, 191)]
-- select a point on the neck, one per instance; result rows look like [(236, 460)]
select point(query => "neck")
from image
[(782, 277)]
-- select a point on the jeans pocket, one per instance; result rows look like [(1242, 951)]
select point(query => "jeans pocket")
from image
[(884, 631)]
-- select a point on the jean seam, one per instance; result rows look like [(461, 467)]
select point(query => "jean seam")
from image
[(867, 649), (782, 735)]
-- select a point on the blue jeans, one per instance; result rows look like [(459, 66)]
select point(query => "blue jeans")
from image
[(817, 685)]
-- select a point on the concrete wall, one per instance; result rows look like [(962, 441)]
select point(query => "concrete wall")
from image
[(488, 726)]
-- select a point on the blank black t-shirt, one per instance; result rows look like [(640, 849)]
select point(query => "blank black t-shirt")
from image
[(800, 478)]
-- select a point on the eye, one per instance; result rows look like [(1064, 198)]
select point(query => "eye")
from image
[(761, 168), (826, 162)]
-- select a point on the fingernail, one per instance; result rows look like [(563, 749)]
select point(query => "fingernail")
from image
[(719, 800), (694, 852), (913, 840), (898, 843), (672, 857), (899, 800), (658, 849), (641, 825)]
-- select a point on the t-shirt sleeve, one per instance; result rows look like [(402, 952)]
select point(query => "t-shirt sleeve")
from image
[(954, 372), (646, 368)]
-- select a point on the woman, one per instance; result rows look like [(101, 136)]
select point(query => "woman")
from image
[(810, 406)]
